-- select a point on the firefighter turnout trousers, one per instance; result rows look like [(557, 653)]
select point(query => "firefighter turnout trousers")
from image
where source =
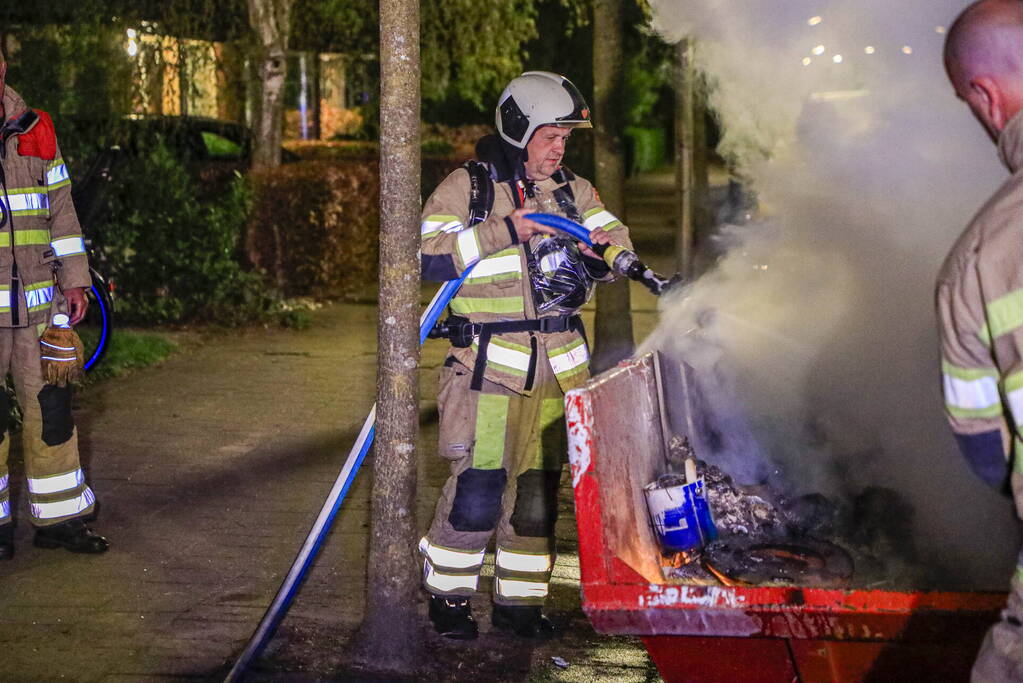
[(57, 490), (1001, 654), (506, 453)]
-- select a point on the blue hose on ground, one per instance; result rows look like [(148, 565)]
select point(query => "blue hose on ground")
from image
[(314, 540), (318, 534)]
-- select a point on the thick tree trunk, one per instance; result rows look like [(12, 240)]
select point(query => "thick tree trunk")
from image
[(271, 22), (613, 327), (389, 638)]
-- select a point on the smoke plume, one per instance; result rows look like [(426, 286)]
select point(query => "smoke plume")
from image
[(816, 330)]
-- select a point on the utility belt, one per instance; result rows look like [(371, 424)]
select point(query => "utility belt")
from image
[(461, 331)]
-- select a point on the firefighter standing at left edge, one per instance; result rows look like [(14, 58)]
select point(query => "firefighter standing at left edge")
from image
[(43, 270)]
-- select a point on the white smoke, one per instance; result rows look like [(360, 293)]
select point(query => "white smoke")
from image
[(867, 168)]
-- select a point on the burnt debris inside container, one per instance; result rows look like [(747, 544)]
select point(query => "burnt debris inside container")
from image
[(769, 538)]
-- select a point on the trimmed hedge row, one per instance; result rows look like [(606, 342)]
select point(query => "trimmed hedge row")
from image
[(314, 226)]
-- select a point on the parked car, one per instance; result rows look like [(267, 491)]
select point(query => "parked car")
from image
[(211, 148)]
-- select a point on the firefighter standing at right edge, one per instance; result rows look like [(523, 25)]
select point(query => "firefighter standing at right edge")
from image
[(517, 346), (980, 294)]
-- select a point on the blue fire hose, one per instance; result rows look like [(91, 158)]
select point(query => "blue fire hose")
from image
[(318, 534)]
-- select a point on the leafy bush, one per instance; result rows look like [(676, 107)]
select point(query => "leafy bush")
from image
[(174, 258), (648, 148)]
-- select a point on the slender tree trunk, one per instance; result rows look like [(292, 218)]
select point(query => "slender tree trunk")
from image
[(389, 638), (684, 172), (317, 95), (701, 180), (613, 326), (271, 22)]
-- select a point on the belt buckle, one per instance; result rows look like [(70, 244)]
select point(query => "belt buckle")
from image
[(547, 325)]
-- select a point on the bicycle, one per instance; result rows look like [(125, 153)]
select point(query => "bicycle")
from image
[(96, 329)]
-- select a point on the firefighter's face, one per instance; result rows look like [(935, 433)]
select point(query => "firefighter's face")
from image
[(545, 151)]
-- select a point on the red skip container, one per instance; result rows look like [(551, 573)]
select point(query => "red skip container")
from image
[(716, 633)]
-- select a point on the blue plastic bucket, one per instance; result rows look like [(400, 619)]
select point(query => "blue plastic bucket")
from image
[(679, 513)]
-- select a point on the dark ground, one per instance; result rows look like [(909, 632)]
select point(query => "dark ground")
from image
[(211, 468)]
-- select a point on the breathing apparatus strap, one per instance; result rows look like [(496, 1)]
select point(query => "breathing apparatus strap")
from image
[(564, 195), (481, 202), (547, 325), (481, 192)]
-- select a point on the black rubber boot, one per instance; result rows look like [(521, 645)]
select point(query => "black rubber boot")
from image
[(524, 621), (7, 541), (452, 617), (72, 535)]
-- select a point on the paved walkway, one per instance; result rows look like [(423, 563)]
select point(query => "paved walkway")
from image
[(210, 469)]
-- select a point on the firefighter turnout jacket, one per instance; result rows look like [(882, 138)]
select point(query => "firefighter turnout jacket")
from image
[(498, 287), (980, 310), (41, 243)]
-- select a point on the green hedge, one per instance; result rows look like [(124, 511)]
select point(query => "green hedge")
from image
[(315, 226)]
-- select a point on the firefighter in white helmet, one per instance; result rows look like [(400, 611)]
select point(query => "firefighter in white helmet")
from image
[(517, 345), (980, 294), (43, 268)]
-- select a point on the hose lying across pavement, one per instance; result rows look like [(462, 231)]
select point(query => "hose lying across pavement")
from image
[(317, 535)]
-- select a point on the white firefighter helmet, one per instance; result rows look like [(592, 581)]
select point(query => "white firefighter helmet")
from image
[(539, 98)]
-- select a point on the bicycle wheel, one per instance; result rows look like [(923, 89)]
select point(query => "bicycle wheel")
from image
[(95, 330)]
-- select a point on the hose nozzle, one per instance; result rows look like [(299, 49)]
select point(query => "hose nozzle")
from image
[(627, 264), (619, 259)]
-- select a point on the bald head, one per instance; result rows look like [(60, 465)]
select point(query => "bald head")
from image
[(984, 60)]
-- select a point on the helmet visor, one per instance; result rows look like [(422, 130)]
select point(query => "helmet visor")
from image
[(580, 114)]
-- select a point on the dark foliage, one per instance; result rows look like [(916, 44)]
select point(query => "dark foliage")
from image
[(174, 258)]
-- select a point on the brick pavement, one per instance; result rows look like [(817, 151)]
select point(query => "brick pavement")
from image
[(210, 468)]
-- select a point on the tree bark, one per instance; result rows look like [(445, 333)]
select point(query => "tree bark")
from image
[(613, 325), (317, 95), (389, 638), (271, 22), (684, 171), (701, 179)]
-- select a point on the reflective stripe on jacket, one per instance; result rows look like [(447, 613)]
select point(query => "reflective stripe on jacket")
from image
[(498, 287), (42, 231)]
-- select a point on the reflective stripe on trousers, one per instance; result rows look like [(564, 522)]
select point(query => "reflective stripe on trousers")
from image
[(447, 571)]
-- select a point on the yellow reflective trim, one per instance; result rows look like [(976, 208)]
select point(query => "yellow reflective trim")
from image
[(491, 425), (968, 374), (25, 238), (552, 445), (1005, 313), (977, 414), (507, 304), (985, 336)]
